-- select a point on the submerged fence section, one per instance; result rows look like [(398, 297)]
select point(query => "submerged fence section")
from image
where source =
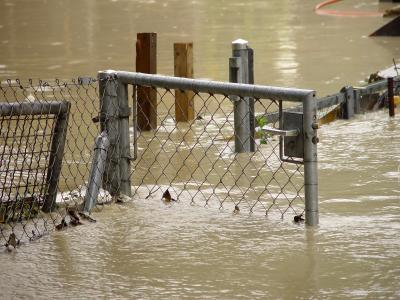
[(70, 146), (350, 101), (31, 153), (67, 147), (47, 137), (198, 161)]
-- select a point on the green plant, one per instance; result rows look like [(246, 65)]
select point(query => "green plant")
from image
[(261, 121)]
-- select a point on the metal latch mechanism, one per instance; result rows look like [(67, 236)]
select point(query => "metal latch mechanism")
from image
[(291, 137), (281, 132)]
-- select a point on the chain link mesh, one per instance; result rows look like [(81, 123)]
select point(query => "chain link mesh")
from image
[(194, 161), (25, 155)]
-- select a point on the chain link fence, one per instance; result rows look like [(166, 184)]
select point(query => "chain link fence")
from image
[(142, 152), (44, 167), (197, 161), (224, 156)]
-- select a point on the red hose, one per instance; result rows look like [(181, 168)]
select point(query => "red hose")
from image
[(325, 3), (330, 12)]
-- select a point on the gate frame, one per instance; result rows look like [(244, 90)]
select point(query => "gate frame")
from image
[(306, 97), (61, 110)]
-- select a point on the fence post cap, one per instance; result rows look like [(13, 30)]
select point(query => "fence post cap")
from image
[(105, 73), (239, 44)]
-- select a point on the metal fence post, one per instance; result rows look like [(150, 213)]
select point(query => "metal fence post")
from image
[(134, 121), (109, 122), (348, 105), (125, 159), (310, 126), (241, 71), (391, 97), (96, 174), (357, 101), (56, 156)]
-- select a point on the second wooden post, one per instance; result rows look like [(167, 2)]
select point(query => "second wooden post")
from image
[(146, 62), (183, 67)]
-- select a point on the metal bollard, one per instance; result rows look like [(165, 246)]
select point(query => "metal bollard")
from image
[(349, 105), (310, 126), (241, 71), (391, 97), (102, 143)]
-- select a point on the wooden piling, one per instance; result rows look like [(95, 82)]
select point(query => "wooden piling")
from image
[(146, 62), (391, 97), (183, 67)]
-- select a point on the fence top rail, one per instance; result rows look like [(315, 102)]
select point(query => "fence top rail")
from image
[(377, 86), (208, 86), (34, 108)]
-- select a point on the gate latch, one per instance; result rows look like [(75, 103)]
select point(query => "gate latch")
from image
[(291, 141), (281, 132)]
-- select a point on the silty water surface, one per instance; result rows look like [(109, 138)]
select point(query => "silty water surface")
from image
[(148, 250)]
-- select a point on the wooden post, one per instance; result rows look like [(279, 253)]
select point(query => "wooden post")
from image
[(146, 62), (391, 97), (183, 67)]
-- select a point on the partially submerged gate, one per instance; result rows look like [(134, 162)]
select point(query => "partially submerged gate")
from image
[(207, 160), (241, 149), (31, 153)]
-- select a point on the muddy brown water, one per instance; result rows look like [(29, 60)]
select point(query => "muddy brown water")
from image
[(146, 250)]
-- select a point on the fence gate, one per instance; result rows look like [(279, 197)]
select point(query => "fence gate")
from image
[(31, 153), (230, 154), (46, 142)]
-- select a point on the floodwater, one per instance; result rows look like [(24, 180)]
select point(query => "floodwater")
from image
[(146, 250)]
